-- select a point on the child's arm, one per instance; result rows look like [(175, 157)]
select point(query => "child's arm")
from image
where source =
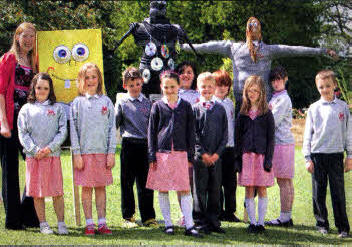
[(112, 142), (190, 134), (75, 145), (281, 109), (238, 143), (24, 132), (270, 142), (224, 138), (348, 161), (61, 133), (307, 138), (153, 133), (118, 113)]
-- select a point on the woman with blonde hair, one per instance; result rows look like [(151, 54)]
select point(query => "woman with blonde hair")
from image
[(17, 68)]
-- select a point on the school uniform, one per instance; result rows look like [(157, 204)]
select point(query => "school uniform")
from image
[(255, 142), (132, 116), (189, 95), (229, 171), (93, 136), (42, 125), (284, 151), (211, 137), (328, 133), (171, 140)]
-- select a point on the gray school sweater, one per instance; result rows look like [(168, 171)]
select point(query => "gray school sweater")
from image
[(243, 66), (328, 129)]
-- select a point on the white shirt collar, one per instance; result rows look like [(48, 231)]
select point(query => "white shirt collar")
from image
[(164, 99), (325, 102), (88, 96), (47, 102), (139, 98), (202, 99)]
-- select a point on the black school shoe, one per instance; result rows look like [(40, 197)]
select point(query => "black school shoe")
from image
[(252, 229), (260, 228), (193, 232), (204, 229), (216, 229), (277, 222)]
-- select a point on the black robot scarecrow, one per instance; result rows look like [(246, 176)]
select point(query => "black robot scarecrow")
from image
[(161, 42)]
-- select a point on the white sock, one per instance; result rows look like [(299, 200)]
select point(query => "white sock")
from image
[(285, 216), (61, 223), (44, 223), (101, 221), (89, 222), (262, 206), (187, 207), (164, 204), (250, 207)]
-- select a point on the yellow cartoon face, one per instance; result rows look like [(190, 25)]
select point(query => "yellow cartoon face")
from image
[(62, 53)]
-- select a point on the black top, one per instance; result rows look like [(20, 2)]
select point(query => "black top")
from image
[(171, 126), (257, 136)]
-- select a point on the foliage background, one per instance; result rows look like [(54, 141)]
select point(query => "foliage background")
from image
[(303, 22)]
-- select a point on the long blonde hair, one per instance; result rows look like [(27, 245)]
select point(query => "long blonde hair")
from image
[(262, 103), (15, 48), (81, 79), (249, 41)]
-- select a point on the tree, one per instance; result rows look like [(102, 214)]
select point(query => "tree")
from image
[(283, 22)]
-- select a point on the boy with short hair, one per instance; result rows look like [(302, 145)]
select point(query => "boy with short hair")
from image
[(132, 116), (229, 171), (328, 133), (211, 139)]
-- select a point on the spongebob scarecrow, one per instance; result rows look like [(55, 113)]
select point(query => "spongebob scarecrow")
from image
[(61, 54)]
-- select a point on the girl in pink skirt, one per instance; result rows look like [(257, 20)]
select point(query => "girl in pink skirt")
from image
[(171, 141), (41, 130), (284, 152), (254, 149), (93, 143)]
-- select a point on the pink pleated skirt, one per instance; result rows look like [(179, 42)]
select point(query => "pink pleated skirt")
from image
[(44, 177), (171, 172), (284, 161), (94, 172), (253, 173)]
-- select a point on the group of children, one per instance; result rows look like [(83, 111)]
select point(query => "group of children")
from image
[(188, 142)]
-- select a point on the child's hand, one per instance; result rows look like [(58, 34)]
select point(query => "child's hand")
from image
[(5, 130), (348, 164), (110, 162), (45, 151), (190, 164), (214, 158), (206, 159), (310, 166), (77, 162), (152, 165), (40, 154)]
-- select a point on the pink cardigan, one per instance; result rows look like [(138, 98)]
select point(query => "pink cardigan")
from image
[(7, 84)]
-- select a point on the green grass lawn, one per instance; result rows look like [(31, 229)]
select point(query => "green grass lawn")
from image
[(303, 232)]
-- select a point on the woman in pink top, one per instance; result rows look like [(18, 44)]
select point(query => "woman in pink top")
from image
[(17, 68)]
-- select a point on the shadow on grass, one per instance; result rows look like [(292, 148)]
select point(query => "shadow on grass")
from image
[(275, 235)]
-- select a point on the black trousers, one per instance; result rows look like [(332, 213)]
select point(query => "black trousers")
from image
[(135, 167), (17, 213), (228, 182), (208, 182), (329, 167)]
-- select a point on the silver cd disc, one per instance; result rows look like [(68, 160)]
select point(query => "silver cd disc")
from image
[(171, 64), (146, 76), (156, 64), (150, 49)]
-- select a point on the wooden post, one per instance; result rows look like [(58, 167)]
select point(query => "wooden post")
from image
[(76, 197)]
